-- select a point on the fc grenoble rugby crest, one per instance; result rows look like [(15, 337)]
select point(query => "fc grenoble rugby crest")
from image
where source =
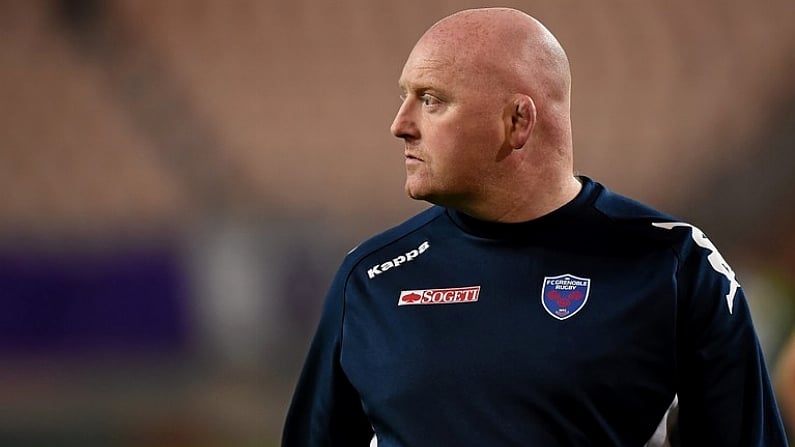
[(564, 295)]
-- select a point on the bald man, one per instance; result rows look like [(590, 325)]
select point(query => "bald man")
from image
[(527, 306), (485, 117)]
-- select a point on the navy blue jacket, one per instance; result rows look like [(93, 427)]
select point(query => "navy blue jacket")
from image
[(578, 328)]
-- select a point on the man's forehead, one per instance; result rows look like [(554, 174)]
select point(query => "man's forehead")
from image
[(430, 61), (423, 70)]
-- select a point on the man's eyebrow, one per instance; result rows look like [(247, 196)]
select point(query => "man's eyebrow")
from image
[(416, 86), (406, 87)]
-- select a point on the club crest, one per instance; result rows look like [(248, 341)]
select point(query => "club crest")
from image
[(564, 295)]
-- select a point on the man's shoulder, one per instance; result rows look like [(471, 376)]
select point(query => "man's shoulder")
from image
[(395, 233), (636, 221), (621, 208)]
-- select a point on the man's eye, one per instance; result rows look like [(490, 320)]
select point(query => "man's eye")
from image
[(428, 100)]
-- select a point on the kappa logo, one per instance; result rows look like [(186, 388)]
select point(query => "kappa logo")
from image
[(564, 295), (397, 261), (714, 258), (455, 295)]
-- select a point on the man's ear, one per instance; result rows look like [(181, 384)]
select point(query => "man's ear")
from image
[(522, 113)]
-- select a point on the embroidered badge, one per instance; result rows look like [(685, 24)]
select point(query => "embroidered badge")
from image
[(564, 295)]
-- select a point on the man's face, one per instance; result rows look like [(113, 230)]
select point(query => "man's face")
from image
[(451, 120)]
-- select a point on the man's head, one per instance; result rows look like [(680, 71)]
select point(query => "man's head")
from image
[(485, 111)]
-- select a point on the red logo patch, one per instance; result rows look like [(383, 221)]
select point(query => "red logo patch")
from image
[(456, 295)]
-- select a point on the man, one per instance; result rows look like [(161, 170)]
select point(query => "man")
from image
[(528, 306)]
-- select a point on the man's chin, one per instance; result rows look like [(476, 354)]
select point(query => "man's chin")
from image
[(415, 193), (423, 195)]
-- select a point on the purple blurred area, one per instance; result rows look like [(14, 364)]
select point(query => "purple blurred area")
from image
[(109, 301)]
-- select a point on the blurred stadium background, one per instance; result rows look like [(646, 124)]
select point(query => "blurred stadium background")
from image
[(181, 178)]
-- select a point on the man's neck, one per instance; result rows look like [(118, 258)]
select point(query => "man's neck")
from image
[(519, 206)]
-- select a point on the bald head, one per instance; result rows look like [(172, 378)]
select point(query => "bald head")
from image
[(507, 46), (485, 116)]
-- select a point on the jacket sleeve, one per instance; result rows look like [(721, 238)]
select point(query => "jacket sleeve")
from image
[(725, 395), (325, 409)]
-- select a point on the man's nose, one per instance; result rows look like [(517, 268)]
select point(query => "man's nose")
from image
[(403, 126)]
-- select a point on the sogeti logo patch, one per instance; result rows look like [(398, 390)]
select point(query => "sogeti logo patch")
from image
[(455, 295), (564, 295)]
